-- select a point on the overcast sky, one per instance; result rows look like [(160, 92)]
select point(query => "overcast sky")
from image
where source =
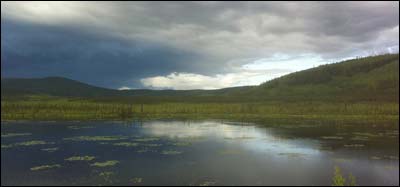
[(188, 45)]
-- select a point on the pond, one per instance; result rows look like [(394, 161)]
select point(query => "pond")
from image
[(195, 153)]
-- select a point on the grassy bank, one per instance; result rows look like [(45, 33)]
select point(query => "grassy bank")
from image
[(56, 108)]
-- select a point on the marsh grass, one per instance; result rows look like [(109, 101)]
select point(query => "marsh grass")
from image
[(45, 167), (57, 108), (105, 164), (339, 180)]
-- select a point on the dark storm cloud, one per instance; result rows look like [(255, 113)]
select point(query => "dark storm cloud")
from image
[(117, 44), (32, 50)]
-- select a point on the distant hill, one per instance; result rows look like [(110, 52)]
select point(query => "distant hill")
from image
[(59, 86), (370, 78), (366, 79), (55, 86)]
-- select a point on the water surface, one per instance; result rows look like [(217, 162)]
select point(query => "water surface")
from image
[(194, 153)]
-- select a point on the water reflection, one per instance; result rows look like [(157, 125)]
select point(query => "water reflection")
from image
[(190, 153), (248, 137)]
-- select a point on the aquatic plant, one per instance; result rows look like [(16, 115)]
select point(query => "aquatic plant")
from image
[(152, 145), (354, 145), (360, 138), (339, 180), (332, 137), (105, 164), (352, 180), (3, 146), (15, 134), (171, 152), (45, 167), (106, 176), (126, 144), (208, 183), (182, 144), (33, 142), (96, 138), (80, 158), (136, 180), (146, 139)]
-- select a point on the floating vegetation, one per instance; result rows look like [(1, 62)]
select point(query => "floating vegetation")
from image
[(96, 138), (376, 158), (146, 139), (45, 167), (182, 144), (107, 176), (105, 164), (27, 143), (332, 137), (145, 150), (3, 146), (33, 142), (171, 152), (354, 145), (391, 157), (239, 138), (50, 150), (79, 127), (293, 155), (136, 180), (80, 158), (152, 145), (360, 138), (208, 183), (15, 134), (126, 144), (367, 134)]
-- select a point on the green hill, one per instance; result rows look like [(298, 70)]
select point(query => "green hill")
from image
[(374, 78)]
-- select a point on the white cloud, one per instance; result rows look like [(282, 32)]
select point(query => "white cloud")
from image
[(124, 88), (188, 81), (253, 73)]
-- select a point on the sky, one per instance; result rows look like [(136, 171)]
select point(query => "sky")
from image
[(188, 45)]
